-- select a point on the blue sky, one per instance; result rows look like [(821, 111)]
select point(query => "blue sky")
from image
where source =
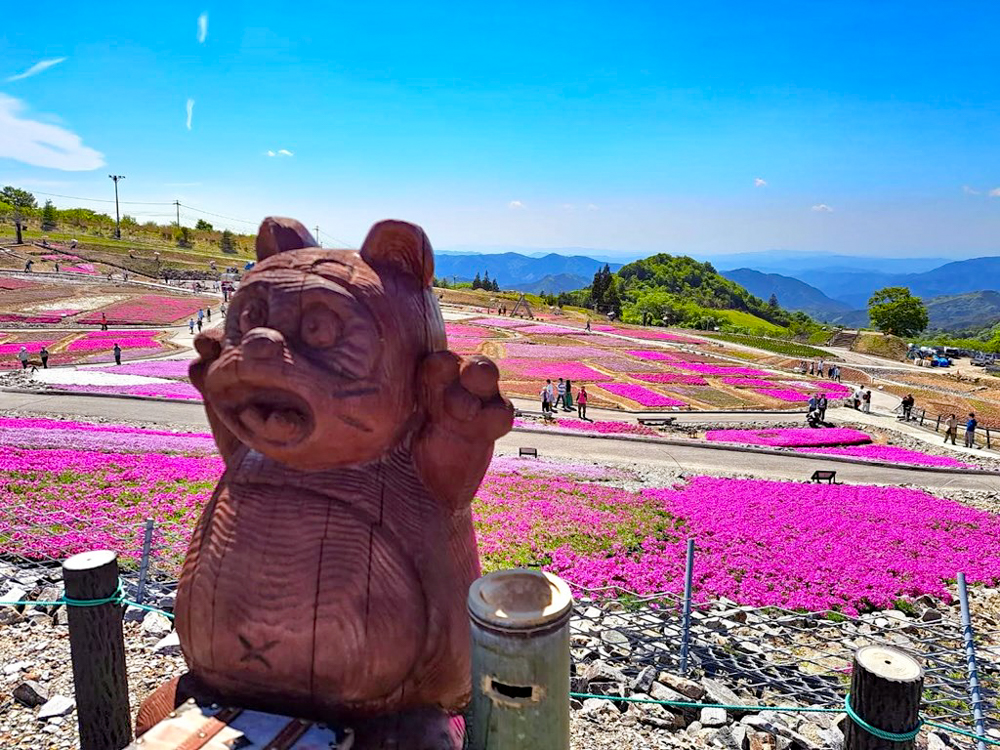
[(701, 128)]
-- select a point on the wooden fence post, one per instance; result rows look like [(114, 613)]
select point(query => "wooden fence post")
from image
[(520, 661), (886, 687), (97, 648)]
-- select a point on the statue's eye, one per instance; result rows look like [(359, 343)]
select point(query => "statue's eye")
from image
[(319, 328), (253, 315)]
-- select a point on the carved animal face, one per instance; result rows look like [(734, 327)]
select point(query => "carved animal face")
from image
[(321, 347)]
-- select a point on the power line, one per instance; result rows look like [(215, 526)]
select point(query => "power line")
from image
[(102, 200), (218, 216), (339, 241)]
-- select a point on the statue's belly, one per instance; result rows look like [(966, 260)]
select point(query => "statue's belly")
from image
[(290, 588)]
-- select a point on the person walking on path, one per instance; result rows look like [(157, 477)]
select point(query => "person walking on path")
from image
[(208, 314), (821, 405), (951, 430), (118, 354), (546, 404), (104, 322), (907, 407), (587, 329), (569, 395), (581, 403), (44, 354), (813, 402), (23, 357), (191, 326), (561, 394), (866, 402), (201, 315), (199, 325), (970, 431)]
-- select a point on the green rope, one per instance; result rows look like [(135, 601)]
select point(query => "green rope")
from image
[(881, 733), (116, 598), (963, 732)]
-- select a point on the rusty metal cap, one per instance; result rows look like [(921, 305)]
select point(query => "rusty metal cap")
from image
[(519, 599)]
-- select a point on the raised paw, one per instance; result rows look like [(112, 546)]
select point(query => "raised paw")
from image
[(463, 397)]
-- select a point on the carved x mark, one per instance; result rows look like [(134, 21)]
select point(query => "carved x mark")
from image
[(256, 653)]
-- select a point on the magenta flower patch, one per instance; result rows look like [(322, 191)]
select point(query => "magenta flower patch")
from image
[(893, 454), (526, 369), (551, 351), (598, 427), (668, 377), (641, 395), (791, 437), (657, 355)]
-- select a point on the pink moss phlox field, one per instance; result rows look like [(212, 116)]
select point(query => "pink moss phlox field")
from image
[(504, 322), (641, 395), (174, 369), (756, 382), (551, 351), (61, 258), (107, 355), (668, 377), (32, 346), (461, 330), (791, 437), (549, 369), (893, 454), (707, 369), (58, 433), (543, 328), (148, 309), (598, 427), (626, 364), (113, 334), (657, 355), (84, 268), (11, 284), (124, 341), (783, 394)]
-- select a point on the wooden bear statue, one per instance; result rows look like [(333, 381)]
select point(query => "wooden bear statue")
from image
[(328, 575)]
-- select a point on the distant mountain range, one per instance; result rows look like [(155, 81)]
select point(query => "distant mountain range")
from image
[(792, 294), (550, 273)]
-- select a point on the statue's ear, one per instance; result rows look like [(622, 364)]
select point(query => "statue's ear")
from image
[(402, 246), (279, 234)]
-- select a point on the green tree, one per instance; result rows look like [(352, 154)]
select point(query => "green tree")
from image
[(599, 287), (203, 226), (895, 311), (487, 282), (48, 216), (773, 302), (227, 244), (496, 286), (477, 283), (184, 237), (612, 300), (17, 198)]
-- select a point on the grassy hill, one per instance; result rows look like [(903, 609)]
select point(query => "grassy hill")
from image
[(792, 294), (963, 312)]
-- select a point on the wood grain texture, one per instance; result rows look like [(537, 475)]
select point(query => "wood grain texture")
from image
[(327, 577), (886, 688), (97, 647)]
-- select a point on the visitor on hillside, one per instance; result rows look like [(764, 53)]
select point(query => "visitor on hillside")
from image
[(104, 322), (588, 325), (118, 354), (28, 265), (951, 429), (907, 404), (866, 402), (581, 403), (821, 406), (812, 368), (57, 266), (838, 373), (191, 326), (23, 356), (44, 354), (546, 398), (201, 315), (569, 395), (970, 431), (208, 314), (561, 394), (813, 402), (199, 325)]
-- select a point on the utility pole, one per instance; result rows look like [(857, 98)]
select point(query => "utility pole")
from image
[(178, 205), (317, 236), (118, 223)]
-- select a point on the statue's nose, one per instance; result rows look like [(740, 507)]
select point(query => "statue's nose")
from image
[(263, 344)]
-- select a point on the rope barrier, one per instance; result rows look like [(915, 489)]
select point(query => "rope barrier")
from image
[(116, 598), (881, 734)]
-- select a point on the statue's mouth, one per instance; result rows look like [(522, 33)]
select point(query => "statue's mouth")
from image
[(275, 416)]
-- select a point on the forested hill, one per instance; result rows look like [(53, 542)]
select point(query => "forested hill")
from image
[(680, 280)]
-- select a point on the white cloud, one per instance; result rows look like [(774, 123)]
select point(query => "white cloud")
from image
[(279, 152), (190, 111), (42, 144), (37, 68), (995, 193), (515, 204), (591, 207), (823, 208), (759, 182), (202, 28), (970, 191)]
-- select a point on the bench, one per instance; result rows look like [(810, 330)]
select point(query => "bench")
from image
[(657, 421), (830, 477), (533, 452)]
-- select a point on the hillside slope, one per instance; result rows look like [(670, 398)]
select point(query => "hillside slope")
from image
[(553, 284), (961, 312), (792, 294), (513, 270)]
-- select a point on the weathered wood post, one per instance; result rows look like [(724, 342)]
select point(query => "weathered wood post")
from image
[(97, 647), (520, 661), (886, 687)]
